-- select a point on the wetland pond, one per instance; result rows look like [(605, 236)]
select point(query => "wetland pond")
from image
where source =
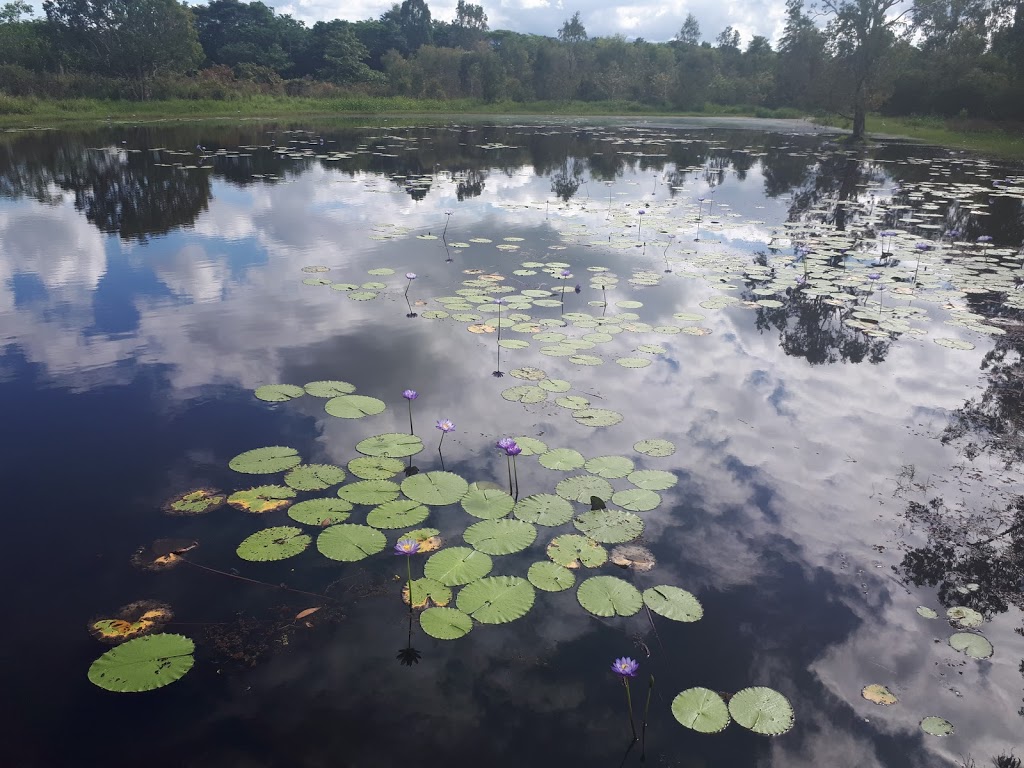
[(765, 398)]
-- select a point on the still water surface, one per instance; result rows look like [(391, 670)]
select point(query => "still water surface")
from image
[(142, 301)]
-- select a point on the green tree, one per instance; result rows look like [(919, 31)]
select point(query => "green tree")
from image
[(728, 38), (801, 59), (689, 34), (334, 53), (414, 20), (234, 33), (573, 31), (469, 26)]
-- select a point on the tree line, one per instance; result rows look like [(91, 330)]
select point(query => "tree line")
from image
[(943, 57)]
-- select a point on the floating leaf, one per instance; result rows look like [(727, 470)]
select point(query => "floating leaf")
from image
[(965, 617), (609, 596), (550, 576), (143, 664), (652, 479), (610, 467), (657, 448), (429, 539), (487, 503), (375, 468), (354, 406), (701, 709), (531, 446), (262, 498), (263, 461), (879, 694), (458, 565), (395, 445), (277, 543), (553, 385), (500, 537), (673, 603), (926, 612), (762, 710), (636, 499), (369, 492), (609, 526), (348, 542), (398, 513), (314, 477), (435, 488), (937, 726), (328, 388), (136, 619), (496, 599), (528, 373), (197, 502), (563, 459), (974, 645), (278, 393), (581, 487), (953, 344), (633, 362), (445, 623), (525, 394), (320, 511), (597, 417), (544, 509), (633, 556), (427, 589), (572, 550), (572, 402)]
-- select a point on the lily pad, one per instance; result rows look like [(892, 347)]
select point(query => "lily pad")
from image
[(762, 710), (633, 556), (528, 373), (429, 539), (278, 543), (553, 385), (652, 479), (701, 709), (348, 542), (369, 492), (314, 477), (320, 511), (398, 513), (967, 618), (531, 446), (435, 488), (572, 402), (500, 537), (636, 499), (879, 694), (937, 726), (572, 550), (544, 509), (143, 664), (278, 393), (609, 526), (264, 461), (329, 388), (143, 617), (262, 498), (610, 467), (550, 576), (427, 590), (597, 417), (458, 565), (581, 487), (562, 459), (197, 502), (673, 603), (354, 406), (395, 445), (954, 343), (926, 612), (445, 623), (375, 468), (609, 596), (974, 645), (657, 448), (525, 394), (496, 599), (487, 503)]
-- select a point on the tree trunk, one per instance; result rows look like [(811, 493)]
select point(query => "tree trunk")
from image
[(859, 113)]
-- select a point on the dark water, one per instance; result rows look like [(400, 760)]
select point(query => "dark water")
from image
[(142, 303)]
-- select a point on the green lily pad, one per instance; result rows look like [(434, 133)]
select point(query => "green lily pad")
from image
[(369, 492), (581, 487), (974, 645), (562, 459), (279, 393), (435, 488), (762, 710), (375, 468), (609, 526), (329, 388), (354, 406), (657, 448), (500, 537), (937, 726), (143, 664), (458, 565), (965, 617), (553, 385), (197, 502), (652, 479), (633, 362), (610, 467), (487, 503), (926, 612), (673, 603), (572, 550), (544, 509), (496, 599), (879, 694), (278, 543), (262, 498), (597, 417), (314, 477), (572, 402), (550, 576), (397, 513), (445, 623), (349, 542), (701, 709), (320, 511), (394, 445), (609, 596), (531, 446), (528, 373), (264, 461), (636, 499), (953, 343), (525, 394), (427, 590)]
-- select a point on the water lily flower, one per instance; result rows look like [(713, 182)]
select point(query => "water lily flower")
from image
[(923, 246), (513, 450), (874, 275), (505, 443), (625, 667), (407, 547), (410, 275), (446, 426), (954, 233), (985, 239), (410, 394)]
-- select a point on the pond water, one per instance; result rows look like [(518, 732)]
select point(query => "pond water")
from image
[(811, 357)]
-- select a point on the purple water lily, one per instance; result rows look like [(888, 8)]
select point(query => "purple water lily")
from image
[(625, 667), (407, 547), (446, 426), (505, 442), (410, 394)]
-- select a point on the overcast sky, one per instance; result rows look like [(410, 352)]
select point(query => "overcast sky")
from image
[(654, 21)]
